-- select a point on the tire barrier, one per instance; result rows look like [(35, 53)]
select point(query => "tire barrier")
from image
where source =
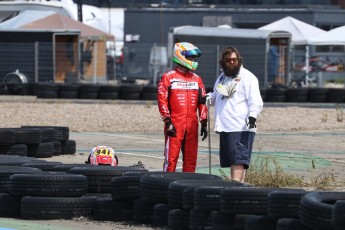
[(154, 187), (53, 190), (316, 209), (36, 141), (149, 92)]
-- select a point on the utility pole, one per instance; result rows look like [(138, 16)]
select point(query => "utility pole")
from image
[(109, 16), (80, 10)]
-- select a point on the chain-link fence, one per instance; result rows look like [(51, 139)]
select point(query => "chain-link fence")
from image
[(140, 64), (62, 61), (74, 62)]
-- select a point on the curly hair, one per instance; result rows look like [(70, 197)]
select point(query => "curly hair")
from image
[(229, 50)]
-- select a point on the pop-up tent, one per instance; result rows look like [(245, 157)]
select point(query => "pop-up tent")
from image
[(300, 31), (23, 18), (333, 37)]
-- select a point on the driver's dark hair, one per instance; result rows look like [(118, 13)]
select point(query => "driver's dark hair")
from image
[(229, 50)]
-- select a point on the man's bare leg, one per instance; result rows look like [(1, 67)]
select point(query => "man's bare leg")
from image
[(237, 173)]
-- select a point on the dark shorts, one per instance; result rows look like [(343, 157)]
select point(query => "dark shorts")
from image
[(236, 148)]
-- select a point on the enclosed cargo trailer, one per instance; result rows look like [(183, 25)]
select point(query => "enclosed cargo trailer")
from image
[(254, 45)]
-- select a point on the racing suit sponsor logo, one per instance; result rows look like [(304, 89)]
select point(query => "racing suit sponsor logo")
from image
[(184, 85)]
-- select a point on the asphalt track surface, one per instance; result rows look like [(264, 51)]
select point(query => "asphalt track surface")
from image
[(301, 153)]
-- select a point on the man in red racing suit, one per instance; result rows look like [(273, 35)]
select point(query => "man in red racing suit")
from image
[(179, 94)]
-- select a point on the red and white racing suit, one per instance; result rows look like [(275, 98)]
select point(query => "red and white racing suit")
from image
[(178, 98)]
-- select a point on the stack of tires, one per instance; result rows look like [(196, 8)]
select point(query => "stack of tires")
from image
[(30, 190), (149, 92), (36, 141)]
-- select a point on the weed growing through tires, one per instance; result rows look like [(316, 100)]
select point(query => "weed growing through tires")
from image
[(324, 181), (262, 174), (266, 172)]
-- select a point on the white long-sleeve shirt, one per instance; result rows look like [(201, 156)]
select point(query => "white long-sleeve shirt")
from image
[(231, 113)]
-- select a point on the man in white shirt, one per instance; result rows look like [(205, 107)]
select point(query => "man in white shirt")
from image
[(238, 103)]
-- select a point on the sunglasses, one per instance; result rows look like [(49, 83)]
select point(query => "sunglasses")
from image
[(232, 60)]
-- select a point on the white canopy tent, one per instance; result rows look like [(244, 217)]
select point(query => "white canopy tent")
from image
[(300, 31), (333, 37), (23, 18)]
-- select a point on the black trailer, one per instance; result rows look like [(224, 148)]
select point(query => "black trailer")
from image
[(38, 55)]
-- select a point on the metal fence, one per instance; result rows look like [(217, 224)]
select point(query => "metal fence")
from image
[(56, 62), (138, 62)]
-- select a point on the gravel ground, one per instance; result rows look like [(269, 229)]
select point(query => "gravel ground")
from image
[(144, 117)]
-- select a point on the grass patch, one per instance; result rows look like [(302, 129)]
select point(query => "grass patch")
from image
[(267, 172)]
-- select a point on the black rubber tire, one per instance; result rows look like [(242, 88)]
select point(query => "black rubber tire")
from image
[(316, 209), (7, 136), (57, 148), (46, 94), (178, 219), (14, 160), (336, 95), (338, 215), (254, 222), (207, 198), (149, 92), (44, 166), (317, 95), (149, 96), (290, 224), (7, 171), (142, 211), (68, 95), (61, 132), (244, 200), (67, 167), (9, 205), (130, 92), (16, 149), (109, 92), (100, 177), (68, 147), (106, 209), (225, 221), (199, 219), (108, 95), (297, 95), (176, 191), (284, 203), (68, 91), (50, 208), (48, 184), (154, 187), (160, 215), (275, 95), (88, 91), (41, 150), (125, 188), (26, 135)]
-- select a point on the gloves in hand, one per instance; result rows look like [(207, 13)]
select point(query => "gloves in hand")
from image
[(251, 123), (206, 99), (203, 130), (169, 127)]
